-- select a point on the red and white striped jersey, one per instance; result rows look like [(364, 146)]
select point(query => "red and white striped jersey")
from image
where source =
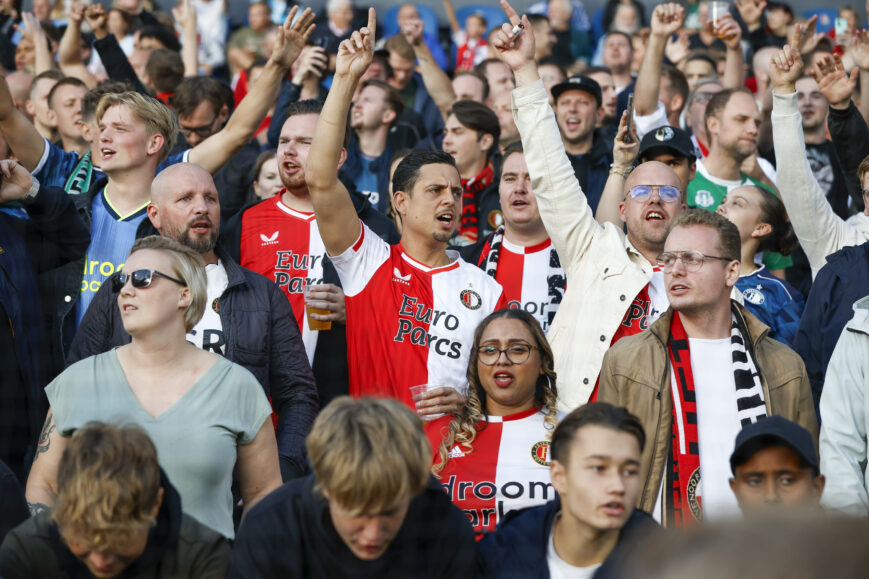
[(508, 468), (285, 246), (407, 323), (524, 273), (647, 307)]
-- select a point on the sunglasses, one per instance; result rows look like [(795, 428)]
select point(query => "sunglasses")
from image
[(141, 278)]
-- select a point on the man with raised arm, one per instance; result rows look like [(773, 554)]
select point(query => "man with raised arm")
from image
[(411, 308), (613, 288)]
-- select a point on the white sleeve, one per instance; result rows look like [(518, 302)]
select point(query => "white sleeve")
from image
[(645, 124), (356, 266)]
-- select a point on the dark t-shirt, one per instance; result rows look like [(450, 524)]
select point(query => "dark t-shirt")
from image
[(290, 534)]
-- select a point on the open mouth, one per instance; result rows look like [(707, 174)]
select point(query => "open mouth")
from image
[(107, 153), (654, 216), (445, 218), (614, 508), (200, 227), (503, 379)]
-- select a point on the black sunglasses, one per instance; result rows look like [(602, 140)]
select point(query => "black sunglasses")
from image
[(141, 278)]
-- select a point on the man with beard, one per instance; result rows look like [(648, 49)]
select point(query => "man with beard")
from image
[(609, 99), (247, 318)]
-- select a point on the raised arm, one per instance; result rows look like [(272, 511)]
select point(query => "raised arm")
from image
[(450, 11), (436, 81), (185, 15), (23, 138), (217, 149), (117, 65), (33, 30), (336, 216), (667, 19), (734, 60), (819, 230), (624, 155), (69, 51)]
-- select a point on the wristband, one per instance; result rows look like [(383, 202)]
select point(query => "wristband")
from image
[(623, 172), (30, 197)]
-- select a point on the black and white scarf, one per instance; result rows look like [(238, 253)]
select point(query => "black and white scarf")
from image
[(556, 281)]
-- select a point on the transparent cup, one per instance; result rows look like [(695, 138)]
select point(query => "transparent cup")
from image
[(312, 323), (416, 394), (715, 10)]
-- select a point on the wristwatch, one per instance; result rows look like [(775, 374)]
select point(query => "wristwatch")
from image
[(30, 197)]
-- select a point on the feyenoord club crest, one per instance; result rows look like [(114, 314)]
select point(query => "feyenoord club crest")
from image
[(540, 452), (496, 218), (471, 299), (693, 499), (215, 306), (664, 134)]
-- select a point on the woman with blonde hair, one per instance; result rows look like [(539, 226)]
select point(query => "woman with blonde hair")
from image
[(205, 414), (493, 457)]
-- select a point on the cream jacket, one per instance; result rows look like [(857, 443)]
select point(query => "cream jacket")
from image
[(604, 272)]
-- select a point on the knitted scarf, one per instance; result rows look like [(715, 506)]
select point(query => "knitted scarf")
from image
[(555, 279), (683, 468), (471, 189)]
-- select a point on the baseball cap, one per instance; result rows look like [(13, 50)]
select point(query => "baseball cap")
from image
[(670, 139), (756, 437), (578, 82)]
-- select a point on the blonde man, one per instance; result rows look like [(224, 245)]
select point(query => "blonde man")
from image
[(112, 494), (370, 509)]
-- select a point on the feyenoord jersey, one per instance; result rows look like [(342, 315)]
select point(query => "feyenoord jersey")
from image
[(285, 246), (524, 274), (508, 468), (646, 308), (407, 323)]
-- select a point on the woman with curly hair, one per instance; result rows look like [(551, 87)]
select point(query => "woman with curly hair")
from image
[(763, 225), (493, 457)]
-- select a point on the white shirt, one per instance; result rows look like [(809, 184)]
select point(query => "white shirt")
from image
[(208, 332), (717, 423), (561, 569)]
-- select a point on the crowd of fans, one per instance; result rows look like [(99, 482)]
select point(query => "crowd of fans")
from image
[(529, 295)]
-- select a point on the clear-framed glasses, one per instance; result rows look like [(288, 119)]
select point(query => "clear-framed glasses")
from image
[(692, 260), (516, 353), (667, 193)]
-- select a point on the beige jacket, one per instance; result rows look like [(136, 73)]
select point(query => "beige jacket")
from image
[(604, 272), (636, 375)]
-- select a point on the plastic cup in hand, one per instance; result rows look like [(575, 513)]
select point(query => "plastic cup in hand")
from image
[(312, 323), (715, 11), (416, 394)]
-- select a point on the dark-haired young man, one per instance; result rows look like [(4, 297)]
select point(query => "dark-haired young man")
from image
[(414, 304), (595, 453), (280, 239), (519, 253), (471, 139)]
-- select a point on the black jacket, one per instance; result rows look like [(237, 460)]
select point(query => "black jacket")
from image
[(519, 546), (261, 335), (178, 546), (592, 168), (290, 534), (850, 135), (840, 283), (330, 358), (50, 236)]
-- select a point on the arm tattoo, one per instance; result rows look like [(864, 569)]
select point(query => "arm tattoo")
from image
[(36, 508), (45, 436)]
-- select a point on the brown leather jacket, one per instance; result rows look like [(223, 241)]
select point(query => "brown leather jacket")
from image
[(636, 375)]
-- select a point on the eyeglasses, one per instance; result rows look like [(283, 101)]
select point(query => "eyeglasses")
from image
[(692, 260), (667, 193), (516, 354), (202, 132), (141, 278)]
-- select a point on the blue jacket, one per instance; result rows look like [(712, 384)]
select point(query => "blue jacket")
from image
[(49, 236), (840, 283), (518, 547), (774, 302), (353, 168)]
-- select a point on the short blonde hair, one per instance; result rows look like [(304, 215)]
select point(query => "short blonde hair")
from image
[(108, 483), (368, 454), (156, 116), (189, 267)]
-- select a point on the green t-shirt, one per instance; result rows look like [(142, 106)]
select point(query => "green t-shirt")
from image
[(707, 192), (196, 438)]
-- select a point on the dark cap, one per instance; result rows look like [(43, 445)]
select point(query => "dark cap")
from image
[(578, 82), (770, 431), (669, 139)]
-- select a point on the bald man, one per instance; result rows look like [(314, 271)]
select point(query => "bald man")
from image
[(248, 319)]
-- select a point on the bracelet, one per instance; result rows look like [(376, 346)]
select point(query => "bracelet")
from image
[(623, 172)]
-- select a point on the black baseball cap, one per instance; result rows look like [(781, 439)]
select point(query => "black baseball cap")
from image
[(578, 82), (770, 431), (667, 139)]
